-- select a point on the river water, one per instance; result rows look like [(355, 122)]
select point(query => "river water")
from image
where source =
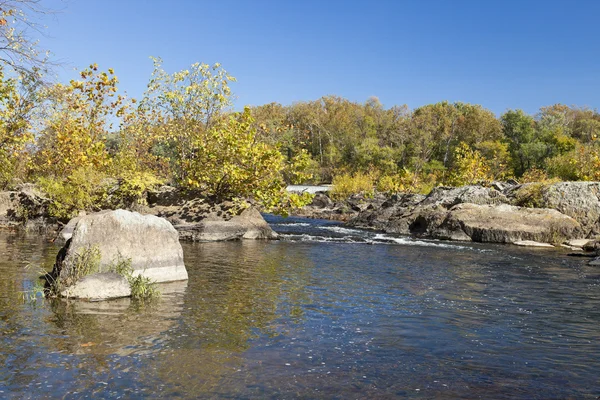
[(326, 312)]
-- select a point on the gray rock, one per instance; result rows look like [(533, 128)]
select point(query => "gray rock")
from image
[(531, 243), (579, 200), (248, 225), (579, 243), (321, 200), (507, 224), (592, 245), (25, 207), (97, 287), (150, 242), (451, 196), (198, 218), (67, 230), (595, 262)]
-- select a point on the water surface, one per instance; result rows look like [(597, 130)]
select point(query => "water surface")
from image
[(326, 312)]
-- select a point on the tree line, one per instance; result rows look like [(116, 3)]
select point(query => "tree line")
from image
[(437, 144)]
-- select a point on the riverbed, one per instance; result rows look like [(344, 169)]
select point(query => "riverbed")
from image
[(325, 312)]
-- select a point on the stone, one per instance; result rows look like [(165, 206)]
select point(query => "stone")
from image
[(592, 245), (531, 243), (595, 262), (96, 287), (248, 225), (66, 231), (150, 242), (579, 200), (485, 214), (474, 194), (508, 224), (198, 218), (580, 243)]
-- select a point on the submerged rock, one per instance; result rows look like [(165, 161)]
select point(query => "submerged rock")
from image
[(150, 243)]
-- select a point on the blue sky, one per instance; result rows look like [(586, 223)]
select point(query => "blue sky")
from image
[(500, 54)]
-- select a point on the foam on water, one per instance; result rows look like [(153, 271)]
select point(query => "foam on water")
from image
[(321, 239), (342, 230), (291, 224), (413, 242)]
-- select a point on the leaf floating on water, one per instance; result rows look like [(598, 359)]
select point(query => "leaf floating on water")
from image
[(88, 344)]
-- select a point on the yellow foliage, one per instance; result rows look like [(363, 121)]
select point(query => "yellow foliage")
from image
[(470, 167), (83, 189), (345, 185)]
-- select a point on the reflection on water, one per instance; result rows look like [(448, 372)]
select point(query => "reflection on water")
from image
[(347, 315)]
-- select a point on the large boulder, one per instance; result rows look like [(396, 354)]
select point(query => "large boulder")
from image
[(579, 200), (150, 242), (469, 213), (506, 224)]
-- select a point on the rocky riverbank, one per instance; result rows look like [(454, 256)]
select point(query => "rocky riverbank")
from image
[(534, 214), (502, 213)]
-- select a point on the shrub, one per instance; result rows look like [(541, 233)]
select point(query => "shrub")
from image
[(345, 185), (84, 189), (142, 287), (389, 184)]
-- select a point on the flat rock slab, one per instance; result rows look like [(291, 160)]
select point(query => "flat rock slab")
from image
[(577, 242), (508, 224), (531, 243)]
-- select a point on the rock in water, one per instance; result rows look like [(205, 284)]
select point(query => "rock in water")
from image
[(206, 219), (150, 242), (248, 225), (507, 224)]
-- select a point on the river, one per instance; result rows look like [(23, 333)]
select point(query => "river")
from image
[(326, 312)]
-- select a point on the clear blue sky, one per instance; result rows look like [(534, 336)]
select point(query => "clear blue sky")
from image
[(500, 54)]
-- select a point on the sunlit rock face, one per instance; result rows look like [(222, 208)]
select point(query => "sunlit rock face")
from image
[(150, 242)]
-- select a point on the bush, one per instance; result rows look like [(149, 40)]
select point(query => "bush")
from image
[(142, 287), (389, 184), (346, 185), (84, 189)]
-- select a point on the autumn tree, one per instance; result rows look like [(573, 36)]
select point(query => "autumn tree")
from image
[(182, 106), (71, 158), (18, 99)]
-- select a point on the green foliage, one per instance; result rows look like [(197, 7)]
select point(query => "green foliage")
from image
[(83, 263), (389, 184), (17, 101), (581, 163), (141, 287), (83, 189), (532, 194)]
